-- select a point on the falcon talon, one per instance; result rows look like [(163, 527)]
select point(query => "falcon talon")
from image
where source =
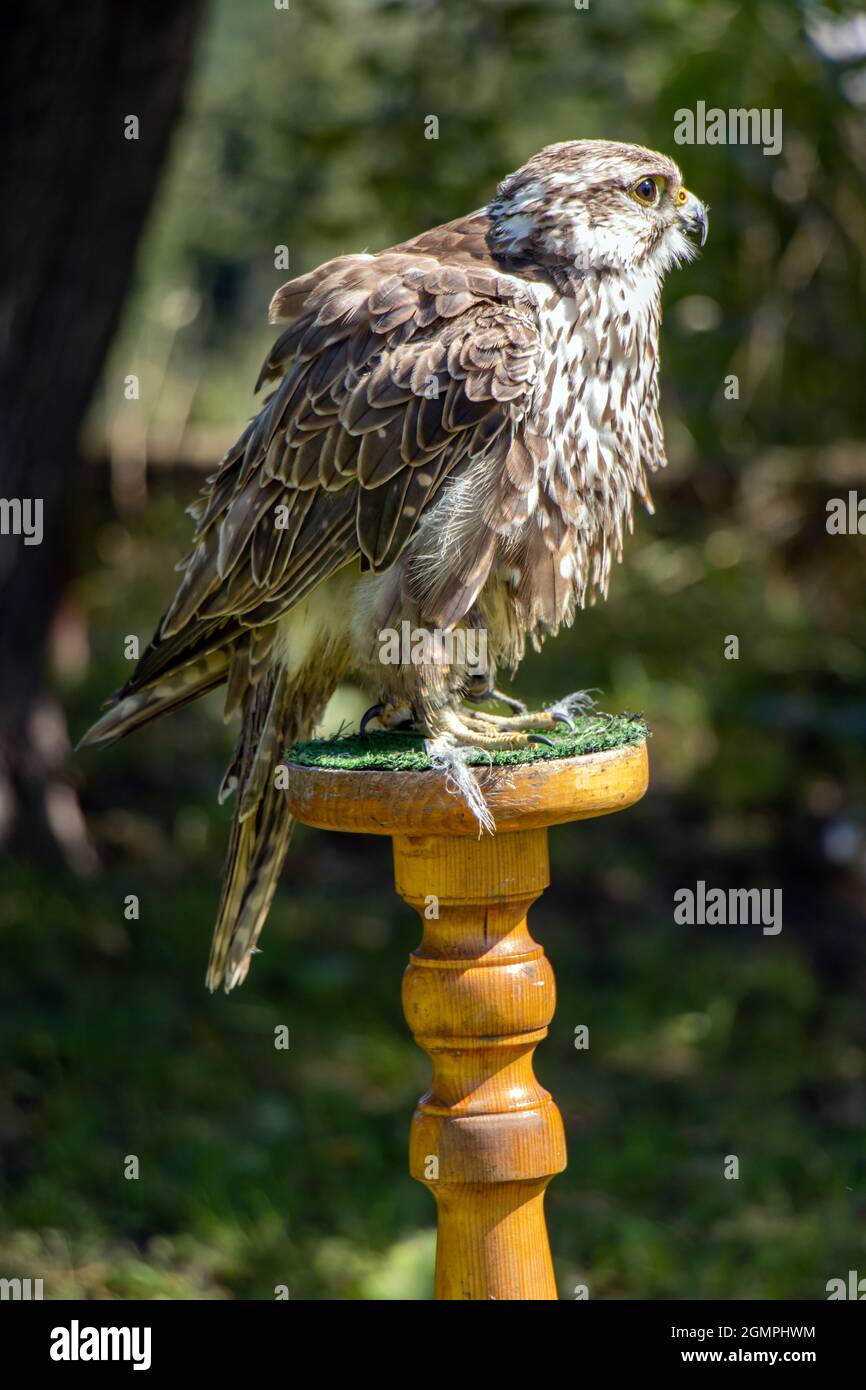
[(562, 719), (540, 738), (368, 716)]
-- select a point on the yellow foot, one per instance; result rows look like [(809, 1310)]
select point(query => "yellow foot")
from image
[(517, 723), (448, 730), (560, 712)]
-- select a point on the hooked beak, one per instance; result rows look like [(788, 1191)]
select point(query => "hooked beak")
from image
[(692, 213)]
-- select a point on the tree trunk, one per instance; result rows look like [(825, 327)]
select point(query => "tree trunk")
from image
[(76, 194)]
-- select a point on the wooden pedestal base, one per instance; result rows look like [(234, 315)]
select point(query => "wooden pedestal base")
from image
[(479, 993)]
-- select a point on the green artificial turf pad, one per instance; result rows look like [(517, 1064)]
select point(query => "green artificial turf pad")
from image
[(399, 752)]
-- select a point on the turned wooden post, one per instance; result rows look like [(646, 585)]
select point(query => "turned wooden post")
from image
[(478, 992)]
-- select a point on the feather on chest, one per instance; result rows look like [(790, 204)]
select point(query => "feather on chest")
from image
[(595, 401), (593, 427)]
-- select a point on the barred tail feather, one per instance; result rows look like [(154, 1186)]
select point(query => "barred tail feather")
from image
[(166, 693), (257, 849), (277, 712)]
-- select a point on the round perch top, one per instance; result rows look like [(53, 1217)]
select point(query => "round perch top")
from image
[(385, 784)]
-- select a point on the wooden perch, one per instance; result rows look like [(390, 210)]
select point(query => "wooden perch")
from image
[(478, 992)]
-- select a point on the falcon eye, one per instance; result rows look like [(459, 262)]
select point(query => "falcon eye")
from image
[(647, 191)]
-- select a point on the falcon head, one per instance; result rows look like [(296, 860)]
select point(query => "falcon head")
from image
[(596, 205)]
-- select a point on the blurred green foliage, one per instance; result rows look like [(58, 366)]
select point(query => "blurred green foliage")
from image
[(261, 1167)]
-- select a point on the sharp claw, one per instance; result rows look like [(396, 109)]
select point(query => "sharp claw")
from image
[(372, 713), (563, 719), (539, 738)]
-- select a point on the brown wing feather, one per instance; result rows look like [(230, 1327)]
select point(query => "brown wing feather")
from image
[(393, 374)]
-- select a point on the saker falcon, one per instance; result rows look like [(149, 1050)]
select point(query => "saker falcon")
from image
[(454, 436)]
